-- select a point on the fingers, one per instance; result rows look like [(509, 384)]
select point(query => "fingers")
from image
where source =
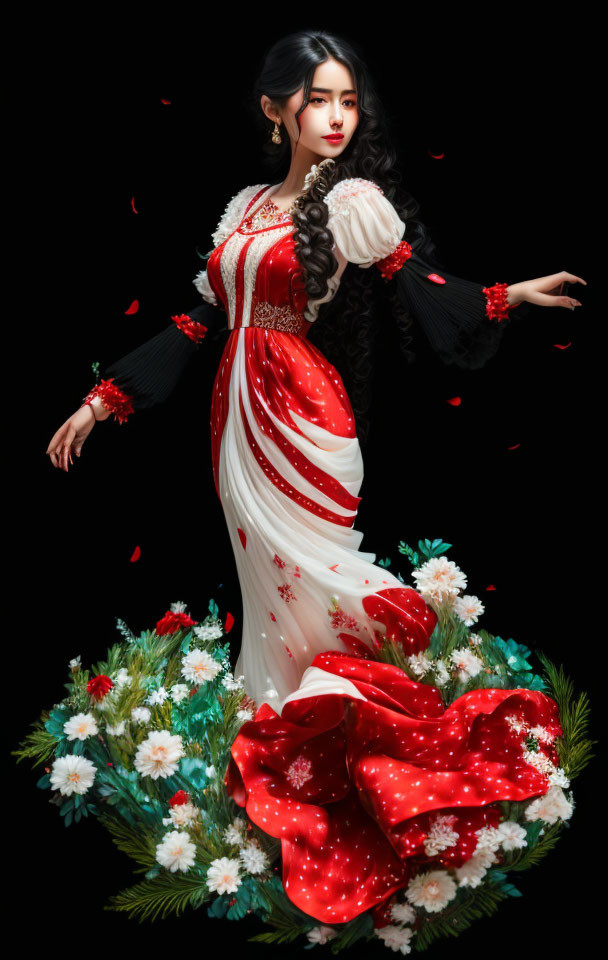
[(545, 300)]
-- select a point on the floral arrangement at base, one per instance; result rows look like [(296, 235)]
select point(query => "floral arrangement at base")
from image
[(151, 740)]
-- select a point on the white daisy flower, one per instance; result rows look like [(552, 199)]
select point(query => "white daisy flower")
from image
[(233, 683), (244, 715), (488, 838), (471, 873), (439, 578), (158, 696), (140, 714), (184, 814), (475, 639), (235, 833), (123, 678), (419, 664), (397, 938), (159, 754), (117, 730), (321, 934), (75, 663), (224, 875), (441, 673), (253, 858), (468, 609), (179, 691), (80, 727), (403, 913), (178, 607), (432, 890), (467, 663), (208, 631), (553, 806), (441, 834), (198, 666), (558, 778), (176, 852), (513, 836), (72, 774)]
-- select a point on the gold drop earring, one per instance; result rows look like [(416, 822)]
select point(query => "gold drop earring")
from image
[(276, 136)]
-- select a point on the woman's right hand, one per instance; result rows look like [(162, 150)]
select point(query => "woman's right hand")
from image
[(71, 436)]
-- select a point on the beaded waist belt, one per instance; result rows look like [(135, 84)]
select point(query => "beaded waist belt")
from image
[(279, 318)]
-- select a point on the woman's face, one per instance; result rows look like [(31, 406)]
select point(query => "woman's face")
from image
[(331, 110)]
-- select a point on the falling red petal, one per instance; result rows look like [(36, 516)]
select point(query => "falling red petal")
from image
[(435, 278), (165, 101), (491, 587), (135, 555), (133, 205), (272, 617), (563, 346), (289, 651), (436, 156), (133, 308), (334, 567), (455, 401), (229, 623), (514, 447), (243, 537)]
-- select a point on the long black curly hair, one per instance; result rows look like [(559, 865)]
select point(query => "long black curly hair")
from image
[(346, 327)]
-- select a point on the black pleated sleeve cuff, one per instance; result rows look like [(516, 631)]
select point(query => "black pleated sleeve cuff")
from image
[(452, 313), (148, 375)]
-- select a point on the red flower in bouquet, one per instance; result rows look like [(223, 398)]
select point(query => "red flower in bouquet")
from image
[(99, 686), (178, 798), (362, 762), (171, 622)]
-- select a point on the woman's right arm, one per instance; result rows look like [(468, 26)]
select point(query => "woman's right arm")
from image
[(147, 375), (143, 378)]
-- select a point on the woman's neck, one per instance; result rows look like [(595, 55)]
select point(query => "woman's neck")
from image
[(293, 184)]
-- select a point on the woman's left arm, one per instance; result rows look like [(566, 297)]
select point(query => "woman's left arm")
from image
[(463, 320)]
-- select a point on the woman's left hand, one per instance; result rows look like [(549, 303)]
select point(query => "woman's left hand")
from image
[(545, 291)]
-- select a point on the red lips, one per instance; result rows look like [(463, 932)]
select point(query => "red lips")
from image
[(336, 137)]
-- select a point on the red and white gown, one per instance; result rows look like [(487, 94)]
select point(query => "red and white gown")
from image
[(347, 761), (286, 459)]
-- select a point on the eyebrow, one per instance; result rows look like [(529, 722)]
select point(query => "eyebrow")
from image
[(325, 90)]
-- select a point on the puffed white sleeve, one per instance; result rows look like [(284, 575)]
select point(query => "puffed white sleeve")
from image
[(229, 221), (365, 225), (463, 321)]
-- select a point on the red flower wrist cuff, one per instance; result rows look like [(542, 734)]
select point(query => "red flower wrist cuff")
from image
[(497, 307), (192, 328), (113, 398), (395, 260)]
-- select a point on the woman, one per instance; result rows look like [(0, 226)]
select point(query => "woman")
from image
[(285, 448)]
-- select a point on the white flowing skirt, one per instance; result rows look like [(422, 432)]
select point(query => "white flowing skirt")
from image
[(288, 470)]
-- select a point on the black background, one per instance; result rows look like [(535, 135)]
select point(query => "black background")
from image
[(511, 104)]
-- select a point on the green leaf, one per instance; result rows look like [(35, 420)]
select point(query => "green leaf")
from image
[(57, 719), (219, 907), (194, 769), (45, 782), (166, 894), (243, 901)]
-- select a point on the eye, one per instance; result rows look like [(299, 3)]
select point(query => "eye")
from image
[(353, 102)]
